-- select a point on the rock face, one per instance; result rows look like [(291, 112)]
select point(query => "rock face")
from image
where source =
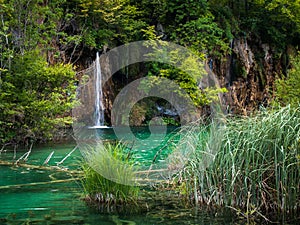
[(86, 92), (109, 92), (248, 73)]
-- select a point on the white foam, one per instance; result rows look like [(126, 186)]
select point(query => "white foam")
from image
[(99, 127)]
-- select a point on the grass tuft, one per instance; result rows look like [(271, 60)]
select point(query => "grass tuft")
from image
[(108, 175), (256, 165)]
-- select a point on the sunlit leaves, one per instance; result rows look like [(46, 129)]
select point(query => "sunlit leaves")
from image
[(288, 89), (35, 98), (110, 22)]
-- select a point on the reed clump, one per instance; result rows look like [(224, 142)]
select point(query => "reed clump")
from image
[(255, 166), (108, 175)]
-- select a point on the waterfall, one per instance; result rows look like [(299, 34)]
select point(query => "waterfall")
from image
[(99, 108)]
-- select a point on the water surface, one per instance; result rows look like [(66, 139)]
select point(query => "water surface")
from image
[(61, 203)]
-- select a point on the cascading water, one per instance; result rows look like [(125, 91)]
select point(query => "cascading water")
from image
[(99, 108)]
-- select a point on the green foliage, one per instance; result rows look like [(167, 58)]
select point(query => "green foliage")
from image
[(183, 67), (288, 89), (188, 82), (35, 98), (111, 161), (288, 10), (191, 24), (71, 31), (110, 22), (24, 24), (274, 22)]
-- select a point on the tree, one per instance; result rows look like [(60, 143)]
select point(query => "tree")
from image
[(35, 99), (36, 91)]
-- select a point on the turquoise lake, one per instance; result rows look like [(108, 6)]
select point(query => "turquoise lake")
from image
[(60, 203)]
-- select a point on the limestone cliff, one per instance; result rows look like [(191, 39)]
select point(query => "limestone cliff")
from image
[(248, 73)]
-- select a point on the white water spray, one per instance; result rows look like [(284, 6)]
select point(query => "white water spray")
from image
[(99, 108)]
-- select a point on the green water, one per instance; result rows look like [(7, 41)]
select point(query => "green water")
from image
[(144, 150), (60, 203)]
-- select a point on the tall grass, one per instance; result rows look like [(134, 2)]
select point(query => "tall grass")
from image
[(108, 175), (256, 166)]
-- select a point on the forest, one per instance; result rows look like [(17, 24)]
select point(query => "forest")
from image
[(251, 46)]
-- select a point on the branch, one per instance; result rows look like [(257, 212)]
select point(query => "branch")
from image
[(38, 183), (25, 156), (50, 168), (67, 156), (48, 158), (15, 151), (2, 149), (28, 153)]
